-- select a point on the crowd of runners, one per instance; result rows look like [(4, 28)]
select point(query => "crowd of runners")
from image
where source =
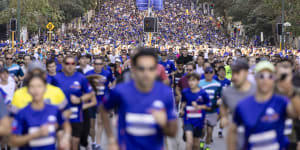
[(192, 78)]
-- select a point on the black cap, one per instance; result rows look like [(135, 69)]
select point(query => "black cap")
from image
[(239, 64)]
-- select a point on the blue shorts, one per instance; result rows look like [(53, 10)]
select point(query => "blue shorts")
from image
[(197, 131)]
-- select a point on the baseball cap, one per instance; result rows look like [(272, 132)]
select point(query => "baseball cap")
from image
[(208, 69), (264, 65), (239, 64), (36, 65)]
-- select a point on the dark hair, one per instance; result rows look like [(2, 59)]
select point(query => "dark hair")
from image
[(98, 58), (144, 52), (179, 61), (191, 64), (50, 61), (67, 57), (40, 76), (221, 68), (193, 75)]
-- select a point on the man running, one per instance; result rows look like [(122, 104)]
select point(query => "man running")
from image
[(146, 108), (213, 88), (78, 93), (263, 115)]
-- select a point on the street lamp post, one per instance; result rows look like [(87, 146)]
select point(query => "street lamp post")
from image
[(282, 21), (18, 22)]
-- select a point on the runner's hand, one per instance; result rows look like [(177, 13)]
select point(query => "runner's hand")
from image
[(44, 130), (224, 122), (75, 99), (160, 117), (65, 142)]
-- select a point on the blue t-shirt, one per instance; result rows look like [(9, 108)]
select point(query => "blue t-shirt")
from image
[(137, 129), (77, 84), (169, 66), (58, 67), (213, 89), (264, 122), (192, 115), (49, 78), (103, 85), (29, 120), (224, 83)]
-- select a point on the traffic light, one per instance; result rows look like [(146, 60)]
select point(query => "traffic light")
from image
[(13, 24), (279, 28), (150, 24)]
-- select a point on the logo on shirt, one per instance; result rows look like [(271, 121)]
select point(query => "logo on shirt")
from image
[(52, 118), (270, 115), (76, 85), (158, 104)]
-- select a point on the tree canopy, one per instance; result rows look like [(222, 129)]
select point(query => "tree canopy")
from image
[(37, 13), (261, 15)]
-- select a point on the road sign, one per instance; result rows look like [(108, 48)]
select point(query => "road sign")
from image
[(50, 26)]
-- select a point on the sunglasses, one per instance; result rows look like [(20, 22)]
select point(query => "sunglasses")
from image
[(142, 69), (265, 76), (208, 72), (98, 64), (282, 77), (73, 63), (9, 58)]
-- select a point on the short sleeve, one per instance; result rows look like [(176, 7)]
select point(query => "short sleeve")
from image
[(86, 86), (60, 118), (170, 107), (206, 99), (111, 100), (18, 125)]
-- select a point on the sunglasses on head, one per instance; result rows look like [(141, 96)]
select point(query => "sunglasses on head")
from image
[(73, 63), (142, 69), (265, 76)]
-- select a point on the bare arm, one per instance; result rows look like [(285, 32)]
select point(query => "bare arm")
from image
[(171, 128), (231, 138), (21, 140), (5, 125), (90, 104), (293, 109), (224, 116)]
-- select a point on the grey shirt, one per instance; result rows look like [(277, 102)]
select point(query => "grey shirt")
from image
[(231, 96)]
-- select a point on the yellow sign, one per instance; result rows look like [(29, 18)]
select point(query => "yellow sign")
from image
[(50, 26)]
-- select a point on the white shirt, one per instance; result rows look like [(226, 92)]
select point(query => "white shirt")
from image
[(9, 89)]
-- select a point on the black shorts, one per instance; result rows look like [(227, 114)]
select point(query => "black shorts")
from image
[(197, 132), (93, 112), (77, 129)]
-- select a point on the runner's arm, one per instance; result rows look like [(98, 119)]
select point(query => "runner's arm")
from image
[(91, 103), (231, 138), (293, 108), (5, 126)]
